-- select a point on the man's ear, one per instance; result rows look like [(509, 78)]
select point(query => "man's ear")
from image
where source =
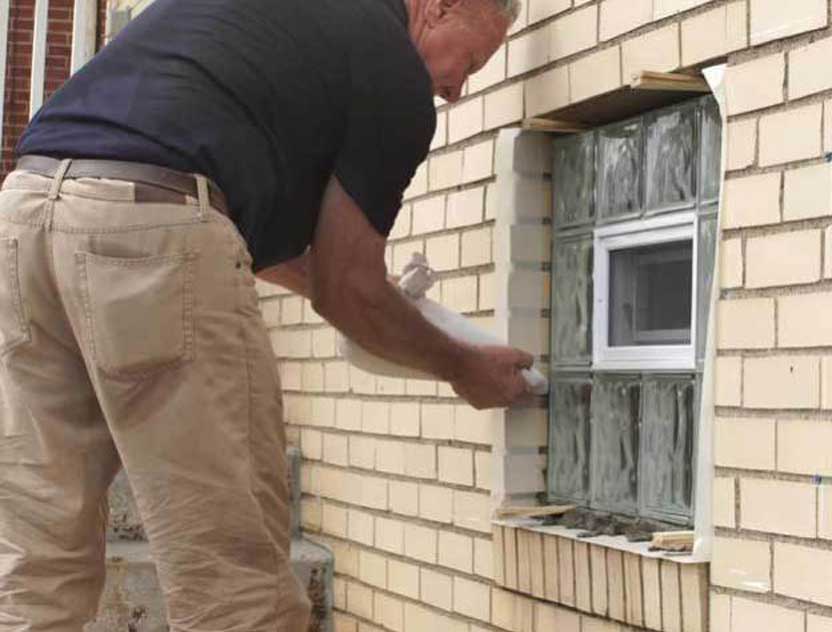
[(439, 9)]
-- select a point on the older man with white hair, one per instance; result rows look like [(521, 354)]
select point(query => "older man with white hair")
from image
[(210, 141)]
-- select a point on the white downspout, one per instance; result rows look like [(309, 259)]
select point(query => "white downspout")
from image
[(84, 21), (4, 45), (38, 56)]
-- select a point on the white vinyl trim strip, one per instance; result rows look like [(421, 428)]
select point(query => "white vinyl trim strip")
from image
[(36, 85)]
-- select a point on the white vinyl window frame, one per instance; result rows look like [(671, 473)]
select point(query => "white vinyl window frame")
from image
[(662, 229)]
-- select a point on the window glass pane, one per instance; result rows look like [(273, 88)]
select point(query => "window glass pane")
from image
[(711, 150), (619, 169), (650, 295), (572, 301), (671, 158), (615, 449), (569, 439), (705, 277), (667, 442), (574, 180)]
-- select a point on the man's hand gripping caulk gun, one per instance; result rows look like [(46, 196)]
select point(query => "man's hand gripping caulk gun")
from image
[(417, 278)]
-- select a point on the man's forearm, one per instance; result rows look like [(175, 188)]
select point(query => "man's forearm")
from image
[(382, 321)]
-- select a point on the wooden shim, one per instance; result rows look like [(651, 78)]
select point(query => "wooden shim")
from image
[(534, 512), (672, 541), (554, 127), (667, 81)]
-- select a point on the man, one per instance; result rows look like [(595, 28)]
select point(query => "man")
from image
[(129, 326)]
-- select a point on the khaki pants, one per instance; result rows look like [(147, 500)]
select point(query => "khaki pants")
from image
[(130, 334)]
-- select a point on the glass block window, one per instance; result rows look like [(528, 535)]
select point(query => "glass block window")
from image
[(635, 230)]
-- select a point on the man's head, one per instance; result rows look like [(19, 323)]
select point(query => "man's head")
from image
[(457, 37)]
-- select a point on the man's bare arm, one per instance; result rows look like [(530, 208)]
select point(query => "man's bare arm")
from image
[(348, 286), (293, 275)]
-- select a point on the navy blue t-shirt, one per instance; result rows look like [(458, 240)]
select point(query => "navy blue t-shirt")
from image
[(268, 98)]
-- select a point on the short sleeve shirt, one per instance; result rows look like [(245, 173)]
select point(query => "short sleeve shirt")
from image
[(268, 98)]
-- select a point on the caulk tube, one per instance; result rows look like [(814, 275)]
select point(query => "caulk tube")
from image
[(417, 279)]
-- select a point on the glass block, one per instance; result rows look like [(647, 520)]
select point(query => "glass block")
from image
[(710, 150), (708, 233), (667, 448), (574, 180), (619, 169), (615, 443), (572, 301), (672, 159), (651, 290), (569, 439)]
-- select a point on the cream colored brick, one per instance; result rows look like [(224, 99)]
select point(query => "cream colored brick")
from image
[(456, 466), (420, 543), (436, 503), (360, 600), (478, 162), (547, 91), (374, 492), (747, 443), (291, 310), (728, 381), (440, 135), (418, 184), (437, 421), (803, 573), (422, 388), (323, 343), (592, 624), (776, 20), (808, 192), (437, 589), (574, 33), (445, 170), (548, 617), (755, 84), (465, 208), (491, 74), (827, 126), (361, 527), (804, 78), (527, 52), (483, 558), (472, 599), (504, 106), (404, 498), (742, 144), (335, 449), (791, 135), (362, 382), (487, 289), (419, 460), (620, 16), (542, 9), (657, 50), (390, 457), (778, 507), (803, 447), (482, 463), (372, 569), (724, 499), (270, 309), (375, 417), (473, 426), (752, 201), (336, 377), (741, 564), (472, 511), (456, 551), (783, 259), (389, 612), (731, 267), (465, 119), (348, 414), (443, 252), (754, 616), (311, 444), (720, 613), (714, 33), (476, 247), (782, 382), (290, 375), (460, 294), (390, 386), (404, 419), (746, 324), (428, 215), (819, 624), (827, 265), (595, 74), (403, 578), (310, 512), (312, 377), (334, 520), (798, 322)]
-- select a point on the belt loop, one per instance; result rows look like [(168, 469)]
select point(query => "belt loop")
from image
[(58, 180), (203, 195)]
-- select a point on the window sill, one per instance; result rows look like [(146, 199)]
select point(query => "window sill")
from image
[(606, 576)]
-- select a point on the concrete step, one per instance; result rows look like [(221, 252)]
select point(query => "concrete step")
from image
[(132, 599)]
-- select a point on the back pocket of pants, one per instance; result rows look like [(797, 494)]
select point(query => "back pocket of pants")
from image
[(14, 327), (139, 312)]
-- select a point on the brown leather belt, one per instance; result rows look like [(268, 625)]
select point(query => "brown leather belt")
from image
[(152, 183)]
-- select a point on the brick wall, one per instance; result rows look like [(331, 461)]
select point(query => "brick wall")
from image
[(398, 474)]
